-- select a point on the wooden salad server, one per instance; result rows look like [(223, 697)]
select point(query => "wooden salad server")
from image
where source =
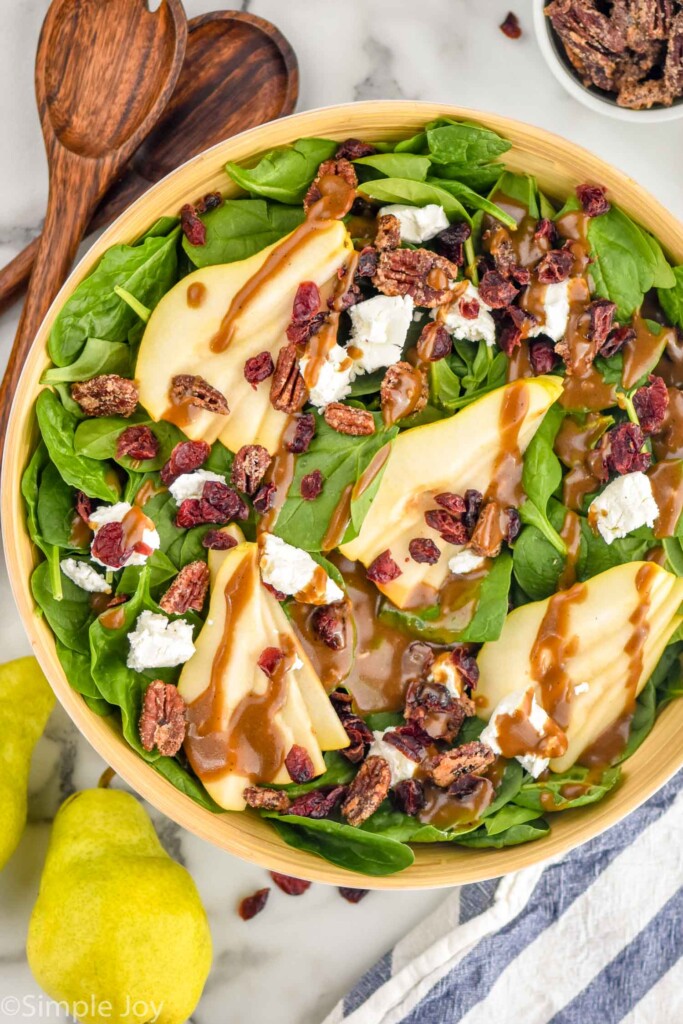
[(239, 72), (105, 70)]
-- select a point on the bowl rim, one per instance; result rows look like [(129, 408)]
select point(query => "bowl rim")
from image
[(246, 837), (589, 98)]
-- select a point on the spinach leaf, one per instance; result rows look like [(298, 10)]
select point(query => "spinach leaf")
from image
[(509, 816), (537, 563), (674, 554), (397, 165), (96, 357), (393, 824), (671, 298), (444, 384), (94, 310), (286, 172), (560, 792), (58, 427), (55, 509), (541, 476), (471, 199), (97, 439), (161, 227), (76, 667), (338, 772), (378, 721), (69, 615), (415, 193), (509, 787), (30, 482), (341, 460), (347, 847), (241, 227), (526, 832), (462, 143), (160, 568), (471, 372), (520, 187), (480, 179), (186, 783), (597, 556), (162, 510)]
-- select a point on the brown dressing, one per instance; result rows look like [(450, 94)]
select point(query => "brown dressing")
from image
[(573, 226), (574, 445), (196, 293), (145, 493), (638, 354), (281, 473), (113, 618), (506, 482), (80, 533), (587, 391), (571, 535), (134, 523), (670, 366), (341, 516), (668, 443), (552, 649), (666, 479), (516, 735), (403, 397), (445, 811), (519, 364)]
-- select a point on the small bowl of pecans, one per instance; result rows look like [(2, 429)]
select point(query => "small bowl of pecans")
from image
[(617, 57)]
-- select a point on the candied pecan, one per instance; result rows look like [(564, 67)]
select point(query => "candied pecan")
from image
[(299, 765), (137, 443), (211, 201), (162, 722), (490, 531), (218, 540), (409, 796), (542, 356), (514, 322), (473, 502), (383, 569), (337, 168), (367, 791), (250, 906), (328, 622), (593, 199), (269, 659), (466, 664), (319, 803), (511, 27), (352, 895), (616, 340), (434, 343), (422, 274), (341, 701), (106, 395), (495, 290), (303, 434), (388, 232), (469, 759), (448, 526), (108, 547), (249, 468), (185, 458), (433, 707), (555, 266), (454, 503), (410, 739), (651, 402), (311, 485), (264, 499), (267, 799), (347, 420), (404, 391), (546, 231), (601, 313), (192, 227), (288, 393), (360, 736), (354, 149), (190, 389), (290, 885), (424, 550), (83, 506), (621, 449), (367, 262), (188, 590), (259, 368), (450, 242)]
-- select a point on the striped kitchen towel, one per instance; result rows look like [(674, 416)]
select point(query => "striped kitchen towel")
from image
[(593, 938)]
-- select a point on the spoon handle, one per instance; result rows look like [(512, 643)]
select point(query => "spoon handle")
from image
[(16, 273)]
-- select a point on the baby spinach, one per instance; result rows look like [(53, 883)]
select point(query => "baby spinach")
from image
[(30, 482), (397, 165), (96, 357), (76, 667), (547, 795), (393, 824), (520, 187), (415, 193), (479, 179), (186, 783), (94, 310), (596, 556), (468, 374), (471, 199), (341, 459), (671, 298), (160, 569), (162, 510), (286, 172), (537, 563), (239, 228), (463, 143), (58, 428), (69, 615), (98, 438), (347, 847), (55, 509), (541, 476), (514, 835)]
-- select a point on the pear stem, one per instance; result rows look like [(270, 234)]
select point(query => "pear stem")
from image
[(106, 778)]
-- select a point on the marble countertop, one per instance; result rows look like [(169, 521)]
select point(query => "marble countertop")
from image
[(299, 957)]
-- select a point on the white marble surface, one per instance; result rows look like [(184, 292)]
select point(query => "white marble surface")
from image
[(292, 963)]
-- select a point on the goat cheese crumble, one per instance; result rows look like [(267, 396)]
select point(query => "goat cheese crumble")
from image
[(513, 706), (156, 642), (84, 576), (401, 767), (465, 561), (378, 331), (116, 514), (623, 506), (445, 672), (191, 485), (555, 312), (418, 223), (334, 377), (291, 570), (463, 328)]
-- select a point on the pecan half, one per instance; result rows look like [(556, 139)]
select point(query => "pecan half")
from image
[(288, 393), (189, 389), (469, 759), (420, 273), (337, 168), (404, 391), (388, 232), (188, 590), (367, 791), (345, 420), (106, 395), (249, 468), (162, 722), (267, 799)]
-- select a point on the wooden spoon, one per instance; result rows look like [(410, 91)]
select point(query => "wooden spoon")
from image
[(105, 70), (239, 72)]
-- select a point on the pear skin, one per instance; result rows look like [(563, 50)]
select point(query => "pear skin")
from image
[(118, 927), (26, 701)]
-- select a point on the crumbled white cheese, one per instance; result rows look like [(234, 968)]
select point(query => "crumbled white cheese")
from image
[(418, 223), (463, 328), (191, 485), (378, 330), (156, 642), (290, 570), (538, 719), (334, 377), (84, 576), (401, 767), (465, 561), (623, 506), (445, 672), (116, 514), (555, 311), (581, 688)]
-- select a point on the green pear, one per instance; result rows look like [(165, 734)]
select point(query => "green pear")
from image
[(119, 933), (26, 701)]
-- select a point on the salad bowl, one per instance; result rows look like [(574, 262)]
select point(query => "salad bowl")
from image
[(559, 166)]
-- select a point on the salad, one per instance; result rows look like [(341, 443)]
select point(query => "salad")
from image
[(360, 495)]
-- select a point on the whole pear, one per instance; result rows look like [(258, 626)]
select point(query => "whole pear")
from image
[(26, 701), (118, 933)]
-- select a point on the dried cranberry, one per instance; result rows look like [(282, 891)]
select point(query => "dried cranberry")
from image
[(217, 540), (303, 434), (651, 402), (495, 291), (520, 275), (616, 340), (329, 625), (473, 502), (211, 201), (542, 356), (299, 765), (259, 368), (466, 664), (454, 503), (108, 546), (306, 302), (511, 27), (137, 443), (555, 266), (311, 485), (185, 458), (264, 499), (601, 313), (450, 242), (354, 149), (447, 526), (253, 905), (410, 739), (621, 449), (83, 506), (464, 786), (192, 227), (362, 207), (384, 569), (319, 803), (424, 550), (434, 343), (277, 594), (513, 524), (352, 895), (288, 884), (269, 660), (593, 199), (409, 796), (367, 262), (469, 309), (546, 231), (220, 503)]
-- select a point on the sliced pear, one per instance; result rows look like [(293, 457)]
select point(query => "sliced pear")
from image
[(218, 555), (453, 454), (603, 625), (306, 718), (178, 337)]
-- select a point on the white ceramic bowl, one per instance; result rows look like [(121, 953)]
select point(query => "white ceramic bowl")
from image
[(591, 97)]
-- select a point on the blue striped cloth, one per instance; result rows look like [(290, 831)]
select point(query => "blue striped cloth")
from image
[(593, 938)]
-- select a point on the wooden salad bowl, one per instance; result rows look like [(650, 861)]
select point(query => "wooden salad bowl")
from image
[(559, 166)]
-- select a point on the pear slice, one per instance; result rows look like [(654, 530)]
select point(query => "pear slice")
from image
[(603, 629), (218, 555), (177, 339), (306, 717), (453, 454)]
